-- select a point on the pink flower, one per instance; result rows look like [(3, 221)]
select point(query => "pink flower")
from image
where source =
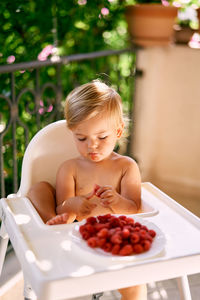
[(165, 2), (82, 2), (176, 4), (10, 59), (195, 41), (41, 110), (105, 11), (50, 108), (45, 52)]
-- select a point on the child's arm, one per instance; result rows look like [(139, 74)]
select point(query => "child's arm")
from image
[(131, 184), (67, 202), (77, 207), (128, 201)]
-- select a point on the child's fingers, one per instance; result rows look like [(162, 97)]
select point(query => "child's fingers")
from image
[(103, 189), (89, 195), (106, 202), (96, 188), (93, 193), (106, 194)]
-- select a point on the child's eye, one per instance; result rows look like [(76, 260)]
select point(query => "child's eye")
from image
[(103, 138), (82, 139)]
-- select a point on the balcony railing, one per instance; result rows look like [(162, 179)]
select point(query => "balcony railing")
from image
[(32, 95)]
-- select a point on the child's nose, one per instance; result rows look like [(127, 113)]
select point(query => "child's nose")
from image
[(92, 144)]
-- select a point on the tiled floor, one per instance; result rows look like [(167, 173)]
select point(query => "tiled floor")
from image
[(11, 287), (161, 290)]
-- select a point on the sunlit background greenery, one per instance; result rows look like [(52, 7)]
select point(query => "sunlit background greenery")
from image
[(74, 26)]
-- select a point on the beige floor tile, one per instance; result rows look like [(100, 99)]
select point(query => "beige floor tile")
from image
[(194, 280), (15, 293)]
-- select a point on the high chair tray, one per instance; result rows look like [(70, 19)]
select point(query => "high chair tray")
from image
[(55, 269)]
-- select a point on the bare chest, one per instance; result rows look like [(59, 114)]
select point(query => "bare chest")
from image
[(87, 178)]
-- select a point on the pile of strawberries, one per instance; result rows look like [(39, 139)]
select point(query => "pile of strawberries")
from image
[(117, 235)]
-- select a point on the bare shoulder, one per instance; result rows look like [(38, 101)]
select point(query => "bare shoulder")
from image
[(68, 166), (126, 162)]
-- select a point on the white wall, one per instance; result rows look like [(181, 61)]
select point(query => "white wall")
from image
[(166, 134)]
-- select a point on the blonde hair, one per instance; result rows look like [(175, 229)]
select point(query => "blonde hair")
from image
[(89, 99)]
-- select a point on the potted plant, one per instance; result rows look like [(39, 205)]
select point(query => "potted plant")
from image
[(183, 32), (151, 22), (187, 22)]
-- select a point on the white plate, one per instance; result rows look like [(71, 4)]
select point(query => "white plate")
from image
[(79, 246)]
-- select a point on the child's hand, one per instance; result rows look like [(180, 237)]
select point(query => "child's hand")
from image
[(107, 194), (83, 205)]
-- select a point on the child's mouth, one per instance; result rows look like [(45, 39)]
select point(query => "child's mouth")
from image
[(93, 155)]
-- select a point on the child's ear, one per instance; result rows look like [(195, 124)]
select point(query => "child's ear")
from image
[(120, 130)]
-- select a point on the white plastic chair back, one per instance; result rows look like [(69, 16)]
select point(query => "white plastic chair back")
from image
[(51, 146)]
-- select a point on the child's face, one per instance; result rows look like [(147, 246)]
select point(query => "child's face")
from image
[(96, 137)]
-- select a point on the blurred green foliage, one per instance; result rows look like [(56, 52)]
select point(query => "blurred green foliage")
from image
[(82, 26)]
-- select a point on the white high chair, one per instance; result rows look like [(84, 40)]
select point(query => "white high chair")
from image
[(47, 150), (53, 279), (51, 146)]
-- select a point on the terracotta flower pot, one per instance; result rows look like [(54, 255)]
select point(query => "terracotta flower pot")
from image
[(151, 24), (198, 16), (183, 34)]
